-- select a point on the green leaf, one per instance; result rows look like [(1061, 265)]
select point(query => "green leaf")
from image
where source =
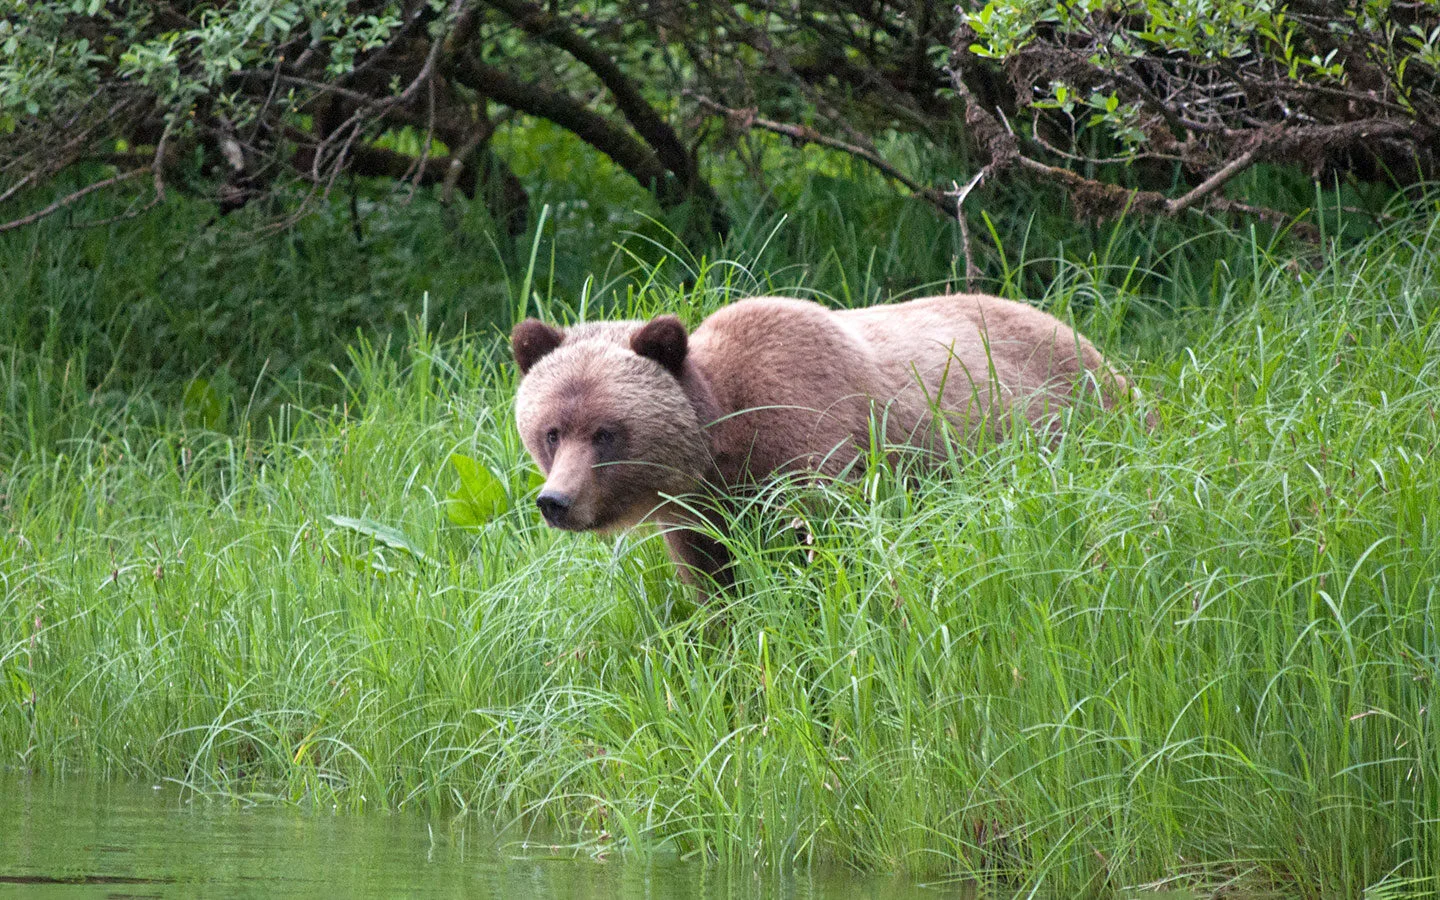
[(204, 404), (385, 534), (480, 497)]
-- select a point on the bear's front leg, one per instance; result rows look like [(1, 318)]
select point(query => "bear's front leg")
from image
[(701, 560)]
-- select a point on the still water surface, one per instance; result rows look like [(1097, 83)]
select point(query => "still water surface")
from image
[(75, 839)]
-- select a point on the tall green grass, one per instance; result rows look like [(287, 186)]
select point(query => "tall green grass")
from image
[(1205, 655), (146, 305)]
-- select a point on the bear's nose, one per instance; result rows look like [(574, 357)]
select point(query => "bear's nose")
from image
[(553, 506)]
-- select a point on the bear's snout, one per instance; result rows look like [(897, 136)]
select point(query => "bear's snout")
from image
[(555, 507)]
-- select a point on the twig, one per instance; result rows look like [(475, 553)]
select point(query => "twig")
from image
[(374, 110), (1099, 199), (1099, 195), (419, 166), (71, 198), (128, 214), (379, 53), (747, 118), (269, 99), (430, 58), (629, 152), (1038, 138), (460, 158), (757, 38), (15, 188), (625, 93), (1214, 182), (58, 158), (960, 194), (158, 166), (1171, 117), (319, 87)]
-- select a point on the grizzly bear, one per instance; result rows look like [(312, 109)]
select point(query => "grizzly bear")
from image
[(641, 422)]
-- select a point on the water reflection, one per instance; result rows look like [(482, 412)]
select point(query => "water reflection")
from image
[(70, 839)]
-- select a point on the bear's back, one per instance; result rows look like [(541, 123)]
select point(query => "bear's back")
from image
[(973, 351), (800, 382), (793, 384)]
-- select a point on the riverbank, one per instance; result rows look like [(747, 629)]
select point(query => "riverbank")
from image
[(1196, 656)]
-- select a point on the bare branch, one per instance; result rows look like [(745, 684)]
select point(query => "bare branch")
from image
[(157, 167), (372, 109), (960, 194), (461, 158), (631, 154), (1214, 182), (131, 213), (429, 138), (428, 68), (72, 197), (632, 104), (20, 185), (1099, 199), (748, 119), (669, 149)]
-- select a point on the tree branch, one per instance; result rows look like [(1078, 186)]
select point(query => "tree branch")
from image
[(652, 128), (634, 156), (72, 197), (747, 119), (1214, 182), (632, 105), (369, 161), (20, 185), (1100, 199)]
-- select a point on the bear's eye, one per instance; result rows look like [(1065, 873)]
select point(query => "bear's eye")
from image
[(552, 437), (604, 437)]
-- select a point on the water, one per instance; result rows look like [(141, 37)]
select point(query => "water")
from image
[(74, 839)]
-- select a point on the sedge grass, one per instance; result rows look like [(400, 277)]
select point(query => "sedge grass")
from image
[(1200, 656)]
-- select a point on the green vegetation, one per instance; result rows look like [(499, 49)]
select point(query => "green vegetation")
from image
[(1199, 655), (266, 528), (1119, 103)]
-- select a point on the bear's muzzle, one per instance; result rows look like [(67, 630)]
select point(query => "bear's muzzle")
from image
[(555, 507)]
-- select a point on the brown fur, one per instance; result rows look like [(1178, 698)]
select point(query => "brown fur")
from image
[(641, 412)]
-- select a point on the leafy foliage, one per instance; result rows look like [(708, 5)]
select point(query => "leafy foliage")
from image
[(1214, 86), (244, 100)]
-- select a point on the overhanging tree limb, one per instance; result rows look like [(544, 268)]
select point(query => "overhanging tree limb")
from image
[(805, 134), (1100, 199), (657, 138), (631, 103), (74, 196), (630, 153), (1204, 93)]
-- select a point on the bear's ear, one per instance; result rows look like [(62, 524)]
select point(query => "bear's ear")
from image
[(663, 339), (531, 340)]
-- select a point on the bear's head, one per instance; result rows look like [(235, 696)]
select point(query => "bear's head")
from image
[(602, 411)]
